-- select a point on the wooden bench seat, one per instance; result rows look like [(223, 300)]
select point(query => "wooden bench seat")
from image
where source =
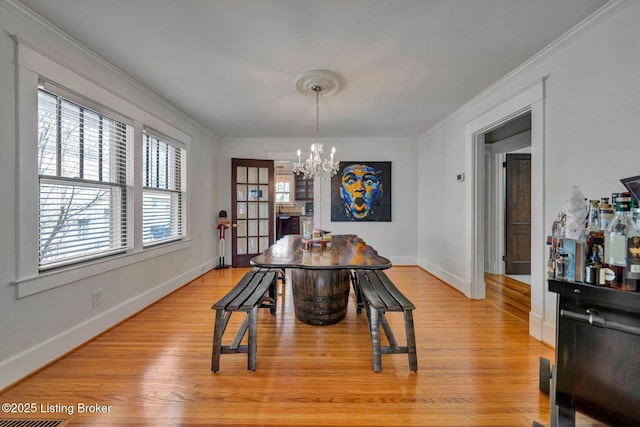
[(379, 296), (257, 289)]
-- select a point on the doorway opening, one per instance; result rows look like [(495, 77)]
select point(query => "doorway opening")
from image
[(529, 99), (507, 263)]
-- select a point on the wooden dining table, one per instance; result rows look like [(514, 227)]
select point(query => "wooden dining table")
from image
[(321, 273)]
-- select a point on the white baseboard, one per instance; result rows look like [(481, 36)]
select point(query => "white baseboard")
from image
[(454, 281), (535, 325), (400, 261), (25, 363), (549, 333)]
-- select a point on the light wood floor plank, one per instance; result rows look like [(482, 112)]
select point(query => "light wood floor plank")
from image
[(477, 367), (508, 294)]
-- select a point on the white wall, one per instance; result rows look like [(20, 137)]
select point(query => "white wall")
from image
[(590, 137), (395, 240), (36, 329)]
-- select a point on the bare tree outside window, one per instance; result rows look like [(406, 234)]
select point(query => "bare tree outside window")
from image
[(82, 167)]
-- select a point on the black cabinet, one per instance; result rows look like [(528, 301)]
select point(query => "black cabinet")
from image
[(597, 354), (304, 188)]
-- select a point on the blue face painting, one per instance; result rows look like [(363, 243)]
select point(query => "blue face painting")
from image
[(360, 188)]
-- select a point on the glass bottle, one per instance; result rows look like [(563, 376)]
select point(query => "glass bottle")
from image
[(632, 279), (595, 235), (606, 216), (614, 198), (605, 213), (617, 232), (562, 228), (562, 266), (592, 270), (551, 264), (593, 221), (635, 213)]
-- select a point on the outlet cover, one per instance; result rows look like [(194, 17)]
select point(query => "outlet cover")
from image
[(96, 298)]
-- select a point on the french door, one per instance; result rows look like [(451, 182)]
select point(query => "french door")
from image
[(253, 209)]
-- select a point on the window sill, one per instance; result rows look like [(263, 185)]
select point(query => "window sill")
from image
[(64, 276)]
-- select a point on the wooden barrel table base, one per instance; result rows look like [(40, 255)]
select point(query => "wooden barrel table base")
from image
[(320, 297)]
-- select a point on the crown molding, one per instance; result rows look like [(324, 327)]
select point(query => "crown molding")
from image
[(551, 49), (66, 40)]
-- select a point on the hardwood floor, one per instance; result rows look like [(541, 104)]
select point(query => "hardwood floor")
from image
[(478, 366), (508, 294)]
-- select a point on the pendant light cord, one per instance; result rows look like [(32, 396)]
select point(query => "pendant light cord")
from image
[(317, 90)]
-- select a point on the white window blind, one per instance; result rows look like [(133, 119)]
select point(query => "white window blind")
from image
[(164, 187), (83, 170)]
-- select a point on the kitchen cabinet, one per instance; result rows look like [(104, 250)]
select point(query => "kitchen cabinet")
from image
[(304, 188), (287, 224)]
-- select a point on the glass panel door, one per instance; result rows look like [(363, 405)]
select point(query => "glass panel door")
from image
[(253, 190)]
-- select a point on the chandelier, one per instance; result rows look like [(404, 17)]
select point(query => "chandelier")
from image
[(326, 82)]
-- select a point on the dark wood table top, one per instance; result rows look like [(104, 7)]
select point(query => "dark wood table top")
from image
[(346, 251)]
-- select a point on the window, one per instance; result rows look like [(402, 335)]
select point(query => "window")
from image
[(83, 182), (284, 189), (163, 194)]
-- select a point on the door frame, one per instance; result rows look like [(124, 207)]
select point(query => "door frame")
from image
[(243, 260), (529, 99)]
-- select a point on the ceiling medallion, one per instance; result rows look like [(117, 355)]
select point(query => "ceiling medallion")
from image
[(327, 80)]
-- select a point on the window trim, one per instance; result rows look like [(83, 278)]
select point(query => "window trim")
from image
[(32, 66)]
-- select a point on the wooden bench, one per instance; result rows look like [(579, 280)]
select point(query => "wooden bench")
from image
[(257, 289), (379, 295)]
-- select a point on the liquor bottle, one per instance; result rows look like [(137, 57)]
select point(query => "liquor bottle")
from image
[(614, 198), (605, 213), (551, 263), (592, 270), (632, 279), (606, 217), (562, 266), (593, 222), (556, 238), (635, 213), (617, 232), (594, 232)]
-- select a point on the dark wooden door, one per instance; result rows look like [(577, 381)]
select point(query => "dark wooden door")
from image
[(518, 214), (252, 209)]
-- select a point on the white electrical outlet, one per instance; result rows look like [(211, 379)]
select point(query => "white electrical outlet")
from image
[(96, 298)]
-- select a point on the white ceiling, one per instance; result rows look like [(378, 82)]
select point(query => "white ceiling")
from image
[(231, 64)]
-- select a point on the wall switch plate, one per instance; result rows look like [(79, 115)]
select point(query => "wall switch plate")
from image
[(96, 298)]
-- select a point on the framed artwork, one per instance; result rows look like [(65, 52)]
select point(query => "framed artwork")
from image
[(633, 185), (361, 191)]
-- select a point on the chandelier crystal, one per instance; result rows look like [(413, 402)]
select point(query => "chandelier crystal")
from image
[(315, 165)]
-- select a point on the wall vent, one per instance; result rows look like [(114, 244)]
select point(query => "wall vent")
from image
[(15, 422)]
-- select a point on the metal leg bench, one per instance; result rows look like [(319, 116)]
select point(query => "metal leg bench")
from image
[(379, 296), (257, 289)]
